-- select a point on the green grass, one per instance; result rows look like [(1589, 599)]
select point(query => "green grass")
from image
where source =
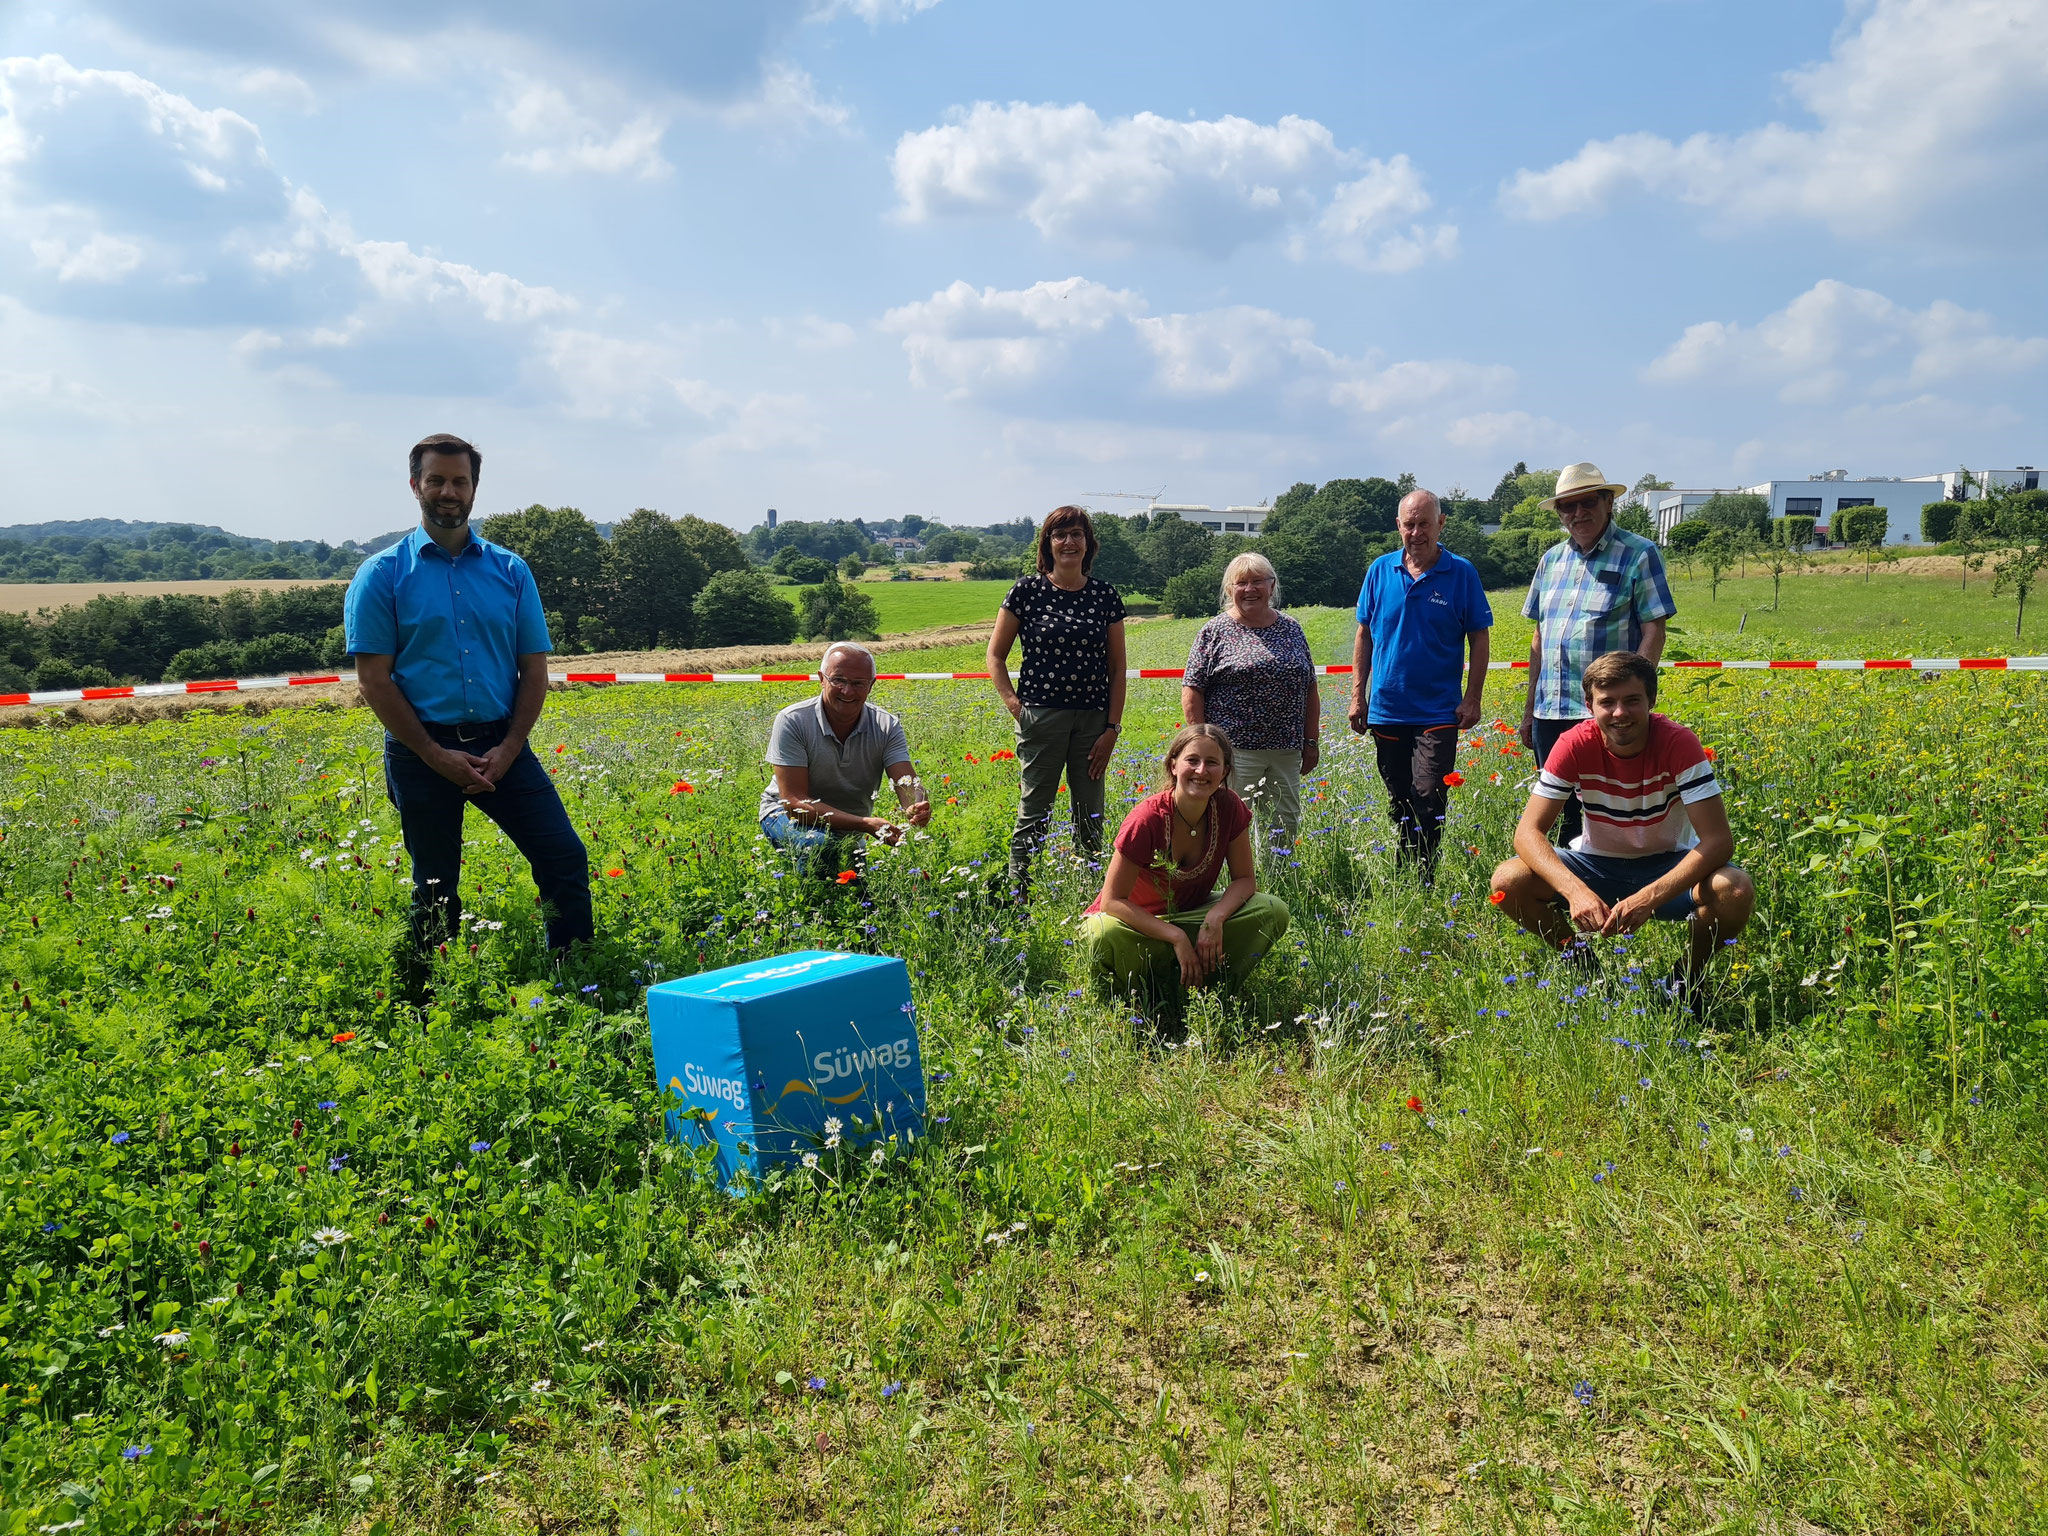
[(907, 606), (1215, 1276)]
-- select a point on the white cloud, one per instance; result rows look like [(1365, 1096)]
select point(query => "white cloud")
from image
[(1078, 348), (1834, 340), (812, 333), (875, 12), (1208, 186), (1925, 110), (101, 259), (1492, 430), (559, 138)]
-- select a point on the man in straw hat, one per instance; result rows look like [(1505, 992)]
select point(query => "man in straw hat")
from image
[(1599, 589)]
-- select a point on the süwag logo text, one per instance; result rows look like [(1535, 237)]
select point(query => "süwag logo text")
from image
[(732, 1090), (830, 1066)]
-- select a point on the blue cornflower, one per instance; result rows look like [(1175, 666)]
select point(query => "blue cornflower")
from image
[(1784, 1151), (120, 1138), (1070, 1077), (479, 1146), (1798, 1194), (327, 1104), (1642, 1082), (892, 1389), (136, 1452), (1386, 1146), (1583, 1394), (334, 1163), (1339, 1187), (49, 1226), (816, 1383), (590, 989), (942, 1119)]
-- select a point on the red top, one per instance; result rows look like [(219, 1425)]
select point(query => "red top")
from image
[(1635, 806), (1146, 839)]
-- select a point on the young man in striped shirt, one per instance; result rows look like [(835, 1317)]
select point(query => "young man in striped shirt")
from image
[(1656, 842)]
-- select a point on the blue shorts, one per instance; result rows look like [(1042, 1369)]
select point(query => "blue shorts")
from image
[(1613, 878)]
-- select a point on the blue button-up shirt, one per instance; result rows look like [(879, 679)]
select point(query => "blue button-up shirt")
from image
[(1589, 604), (455, 626)]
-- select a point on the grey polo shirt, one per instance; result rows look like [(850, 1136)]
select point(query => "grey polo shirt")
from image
[(844, 774)]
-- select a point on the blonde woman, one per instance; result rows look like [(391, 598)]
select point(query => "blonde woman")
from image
[(1158, 923), (1250, 673)]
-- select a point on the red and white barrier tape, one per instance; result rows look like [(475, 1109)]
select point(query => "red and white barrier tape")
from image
[(263, 684)]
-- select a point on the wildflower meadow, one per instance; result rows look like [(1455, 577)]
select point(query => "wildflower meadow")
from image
[(1420, 1232)]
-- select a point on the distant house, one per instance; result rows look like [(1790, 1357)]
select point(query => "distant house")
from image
[(1820, 497), (1247, 520), (905, 546)]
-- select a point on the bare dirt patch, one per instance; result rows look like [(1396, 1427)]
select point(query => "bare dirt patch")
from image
[(32, 596)]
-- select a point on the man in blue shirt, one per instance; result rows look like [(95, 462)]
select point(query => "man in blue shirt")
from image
[(1420, 611), (451, 652)]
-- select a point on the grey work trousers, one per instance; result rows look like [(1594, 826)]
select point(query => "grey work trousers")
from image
[(1051, 742)]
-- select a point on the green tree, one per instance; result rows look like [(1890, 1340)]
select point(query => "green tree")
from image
[(1508, 491), (1862, 528), (799, 567), (652, 576), (1738, 512), (1318, 556), (716, 546), (1530, 513), (1171, 545), (741, 608), (1193, 594), (852, 566), (1118, 559), (566, 554), (1780, 556), (2016, 572), (1718, 552), (1636, 520), (837, 610), (1968, 536)]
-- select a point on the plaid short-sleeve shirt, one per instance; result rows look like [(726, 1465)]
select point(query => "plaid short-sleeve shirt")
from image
[(1586, 605)]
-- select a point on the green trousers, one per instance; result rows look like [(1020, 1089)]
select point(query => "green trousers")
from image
[(1126, 960)]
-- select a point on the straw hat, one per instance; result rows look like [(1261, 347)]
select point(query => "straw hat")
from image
[(1574, 478)]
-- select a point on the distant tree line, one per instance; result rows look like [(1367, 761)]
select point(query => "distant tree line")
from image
[(117, 638), (112, 549)]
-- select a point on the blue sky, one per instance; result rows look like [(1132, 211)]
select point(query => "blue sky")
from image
[(973, 259)]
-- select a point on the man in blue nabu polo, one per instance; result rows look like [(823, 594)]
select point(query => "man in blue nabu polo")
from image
[(1421, 610), (1598, 589), (451, 652)]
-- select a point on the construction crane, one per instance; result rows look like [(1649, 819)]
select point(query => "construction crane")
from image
[(1148, 497)]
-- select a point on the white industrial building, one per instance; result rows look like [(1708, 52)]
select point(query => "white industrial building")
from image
[(1820, 497), (1245, 520)]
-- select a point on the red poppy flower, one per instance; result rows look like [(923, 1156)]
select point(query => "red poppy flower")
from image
[(1414, 1103), (683, 787), (1454, 778), (1711, 753), (971, 757), (1498, 897), (614, 874), (344, 1037), (848, 876)]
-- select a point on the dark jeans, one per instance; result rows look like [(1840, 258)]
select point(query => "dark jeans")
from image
[(1413, 760), (1570, 823), (525, 807)]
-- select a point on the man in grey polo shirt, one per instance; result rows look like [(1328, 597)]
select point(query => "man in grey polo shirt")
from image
[(828, 756)]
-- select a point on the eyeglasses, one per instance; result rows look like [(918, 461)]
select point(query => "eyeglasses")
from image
[(850, 684), (1579, 504), (1068, 533)]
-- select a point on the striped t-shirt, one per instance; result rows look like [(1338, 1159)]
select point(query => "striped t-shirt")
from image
[(1635, 806)]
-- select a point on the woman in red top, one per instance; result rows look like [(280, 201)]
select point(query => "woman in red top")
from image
[(1158, 925)]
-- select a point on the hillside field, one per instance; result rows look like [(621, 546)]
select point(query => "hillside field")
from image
[(1419, 1232)]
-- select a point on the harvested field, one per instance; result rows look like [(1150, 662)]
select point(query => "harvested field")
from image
[(31, 596)]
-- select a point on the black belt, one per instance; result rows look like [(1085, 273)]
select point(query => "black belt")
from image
[(466, 730)]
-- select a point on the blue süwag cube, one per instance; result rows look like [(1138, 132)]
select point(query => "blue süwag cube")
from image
[(773, 1058)]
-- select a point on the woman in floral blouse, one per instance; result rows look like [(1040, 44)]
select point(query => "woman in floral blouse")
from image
[(1250, 673), (1068, 701)]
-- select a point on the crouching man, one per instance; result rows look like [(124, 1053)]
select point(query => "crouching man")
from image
[(827, 756), (1656, 842)]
